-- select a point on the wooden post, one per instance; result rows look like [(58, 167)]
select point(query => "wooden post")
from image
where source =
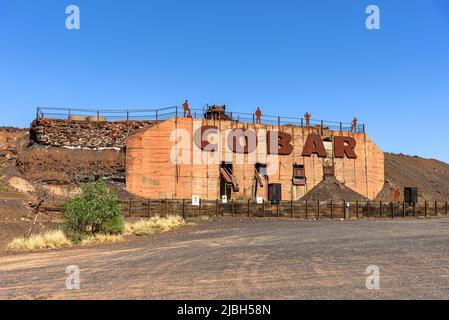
[(307, 209), (392, 209), (332, 209), (129, 207), (436, 208), (318, 209), (149, 208), (263, 208), (380, 208), (184, 208), (414, 209), (248, 208), (291, 209), (369, 209), (277, 209), (232, 207), (403, 209), (357, 209), (199, 208), (425, 209), (446, 208)]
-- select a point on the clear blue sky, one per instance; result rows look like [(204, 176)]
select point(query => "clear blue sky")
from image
[(287, 57)]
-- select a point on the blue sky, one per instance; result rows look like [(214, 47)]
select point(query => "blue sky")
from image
[(287, 57)]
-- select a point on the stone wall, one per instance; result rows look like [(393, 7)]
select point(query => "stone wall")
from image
[(83, 134), (55, 165), (150, 172)]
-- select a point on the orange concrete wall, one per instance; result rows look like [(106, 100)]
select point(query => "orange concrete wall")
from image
[(154, 171)]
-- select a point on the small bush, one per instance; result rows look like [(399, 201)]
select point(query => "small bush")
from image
[(95, 210), (49, 240)]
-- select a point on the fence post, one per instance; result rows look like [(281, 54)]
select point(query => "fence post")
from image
[(436, 208), (149, 208), (216, 207), (98, 116), (307, 210), (277, 209), (232, 207), (332, 209), (357, 209), (318, 208), (184, 208), (380, 208), (341, 127), (248, 208), (414, 209), (127, 115), (392, 209), (157, 115), (279, 121), (445, 208), (302, 122), (322, 127), (263, 208), (165, 207), (369, 209), (199, 208), (425, 209), (291, 208), (223, 213), (129, 207)]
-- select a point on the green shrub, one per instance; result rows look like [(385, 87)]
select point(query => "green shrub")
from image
[(115, 225), (96, 210)]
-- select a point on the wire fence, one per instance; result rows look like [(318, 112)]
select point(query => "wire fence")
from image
[(162, 114), (316, 210)]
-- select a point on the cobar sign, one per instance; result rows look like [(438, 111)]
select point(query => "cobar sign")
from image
[(244, 141)]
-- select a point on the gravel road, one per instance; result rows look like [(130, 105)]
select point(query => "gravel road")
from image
[(247, 259)]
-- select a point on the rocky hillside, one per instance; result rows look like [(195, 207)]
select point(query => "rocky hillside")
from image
[(430, 176)]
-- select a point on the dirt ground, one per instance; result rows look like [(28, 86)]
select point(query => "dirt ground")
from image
[(247, 259)]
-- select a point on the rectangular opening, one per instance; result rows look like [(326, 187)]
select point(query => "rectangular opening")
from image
[(228, 183), (299, 175)]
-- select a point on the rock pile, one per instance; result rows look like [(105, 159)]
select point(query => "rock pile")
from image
[(84, 134)]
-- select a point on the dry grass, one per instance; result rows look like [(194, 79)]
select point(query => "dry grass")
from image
[(49, 240), (57, 239), (153, 225), (102, 238)]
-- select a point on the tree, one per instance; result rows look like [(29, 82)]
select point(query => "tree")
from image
[(96, 210)]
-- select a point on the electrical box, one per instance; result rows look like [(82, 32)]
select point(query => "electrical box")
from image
[(275, 193)]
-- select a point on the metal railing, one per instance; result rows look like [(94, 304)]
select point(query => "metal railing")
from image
[(176, 111)]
